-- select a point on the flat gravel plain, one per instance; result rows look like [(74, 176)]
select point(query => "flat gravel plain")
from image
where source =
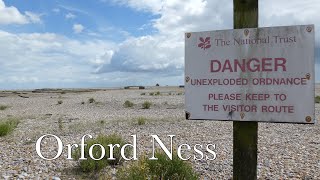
[(285, 151)]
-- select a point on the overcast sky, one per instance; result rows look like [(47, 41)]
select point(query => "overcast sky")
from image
[(107, 43)]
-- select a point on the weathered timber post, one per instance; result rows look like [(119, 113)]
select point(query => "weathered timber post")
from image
[(245, 134)]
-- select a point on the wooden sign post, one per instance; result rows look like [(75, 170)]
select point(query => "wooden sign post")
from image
[(245, 134)]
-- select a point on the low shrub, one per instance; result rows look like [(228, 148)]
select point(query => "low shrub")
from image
[(90, 165), (151, 94), (141, 120), (60, 123), (157, 93), (3, 107), (137, 171), (142, 94), (163, 168), (146, 105), (128, 104), (4, 129), (91, 100), (8, 125), (317, 99), (60, 102)]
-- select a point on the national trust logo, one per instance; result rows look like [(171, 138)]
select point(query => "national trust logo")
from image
[(204, 43)]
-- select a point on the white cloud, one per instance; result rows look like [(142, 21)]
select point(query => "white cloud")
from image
[(153, 6), (47, 59), (70, 16), (11, 15), (73, 9), (280, 12), (147, 54), (77, 28), (103, 59), (181, 16), (34, 18), (163, 51)]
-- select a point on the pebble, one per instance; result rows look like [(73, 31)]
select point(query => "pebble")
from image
[(55, 178), (6, 177)]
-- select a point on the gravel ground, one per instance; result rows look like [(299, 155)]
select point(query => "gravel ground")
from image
[(285, 151)]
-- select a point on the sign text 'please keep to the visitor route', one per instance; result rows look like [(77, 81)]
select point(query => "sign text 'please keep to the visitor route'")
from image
[(254, 74)]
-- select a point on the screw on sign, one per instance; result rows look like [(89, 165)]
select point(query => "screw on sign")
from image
[(309, 29), (188, 35), (246, 32), (242, 115), (308, 119), (205, 43), (308, 76), (187, 79)]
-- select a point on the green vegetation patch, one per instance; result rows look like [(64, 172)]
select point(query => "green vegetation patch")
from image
[(141, 121), (163, 168), (8, 125), (146, 105), (128, 104), (3, 107), (91, 100), (60, 123)]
